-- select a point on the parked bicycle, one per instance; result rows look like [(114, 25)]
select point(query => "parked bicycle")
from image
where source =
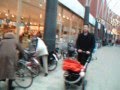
[(52, 61), (32, 64), (24, 77)]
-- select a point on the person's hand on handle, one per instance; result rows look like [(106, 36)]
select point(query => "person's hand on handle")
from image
[(80, 50), (87, 52)]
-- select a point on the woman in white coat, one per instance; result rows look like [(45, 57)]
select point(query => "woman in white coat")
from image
[(42, 51)]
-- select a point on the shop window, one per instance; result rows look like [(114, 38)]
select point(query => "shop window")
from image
[(31, 20)]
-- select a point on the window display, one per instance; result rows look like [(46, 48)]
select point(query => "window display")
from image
[(32, 17), (68, 24)]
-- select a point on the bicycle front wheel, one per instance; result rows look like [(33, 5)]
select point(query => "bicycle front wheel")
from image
[(24, 78)]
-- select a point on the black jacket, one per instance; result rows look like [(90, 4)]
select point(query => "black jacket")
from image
[(86, 43)]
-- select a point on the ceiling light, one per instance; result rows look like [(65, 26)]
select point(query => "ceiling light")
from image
[(40, 5), (6, 14), (59, 14), (35, 23), (26, 23), (22, 17), (13, 16), (67, 18), (40, 15), (63, 16), (44, 1)]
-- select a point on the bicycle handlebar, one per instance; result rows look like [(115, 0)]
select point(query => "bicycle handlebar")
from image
[(28, 52), (84, 52)]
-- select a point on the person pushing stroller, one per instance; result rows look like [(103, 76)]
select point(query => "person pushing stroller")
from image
[(85, 42)]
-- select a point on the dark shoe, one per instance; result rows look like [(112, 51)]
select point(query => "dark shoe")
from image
[(12, 88), (2, 80), (46, 74)]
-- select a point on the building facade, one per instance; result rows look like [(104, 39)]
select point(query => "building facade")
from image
[(27, 17)]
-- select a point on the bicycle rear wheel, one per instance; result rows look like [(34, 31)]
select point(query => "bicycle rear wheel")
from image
[(35, 70), (23, 76), (52, 65)]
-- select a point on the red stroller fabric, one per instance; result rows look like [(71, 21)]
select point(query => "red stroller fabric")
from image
[(72, 65)]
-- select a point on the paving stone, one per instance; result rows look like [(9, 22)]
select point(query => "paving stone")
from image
[(102, 74)]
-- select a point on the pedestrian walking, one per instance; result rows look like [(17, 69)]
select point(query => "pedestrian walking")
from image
[(85, 42), (9, 57)]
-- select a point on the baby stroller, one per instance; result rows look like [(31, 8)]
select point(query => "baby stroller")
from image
[(74, 72)]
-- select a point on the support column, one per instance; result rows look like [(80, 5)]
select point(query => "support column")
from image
[(60, 30), (102, 32), (96, 23), (86, 17), (106, 34), (87, 11), (70, 28), (60, 27), (96, 30), (19, 11), (50, 24)]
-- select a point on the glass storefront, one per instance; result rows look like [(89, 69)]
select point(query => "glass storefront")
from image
[(27, 17), (92, 28), (29, 13), (68, 24)]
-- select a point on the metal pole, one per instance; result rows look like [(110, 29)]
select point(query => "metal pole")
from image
[(77, 26), (19, 10), (105, 15), (105, 18), (70, 30), (103, 9), (107, 10), (87, 12), (88, 3), (60, 30), (60, 27), (97, 9), (108, 15), (96, 23), (103, 22), (100, 9)]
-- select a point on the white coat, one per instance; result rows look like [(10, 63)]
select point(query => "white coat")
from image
[(41, 48)]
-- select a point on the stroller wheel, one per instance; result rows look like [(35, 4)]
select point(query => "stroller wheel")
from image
[(84, 83), (67, 86)]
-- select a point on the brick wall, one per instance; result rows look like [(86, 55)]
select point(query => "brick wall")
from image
[(93, 9), (93, 6), (82, 2)]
